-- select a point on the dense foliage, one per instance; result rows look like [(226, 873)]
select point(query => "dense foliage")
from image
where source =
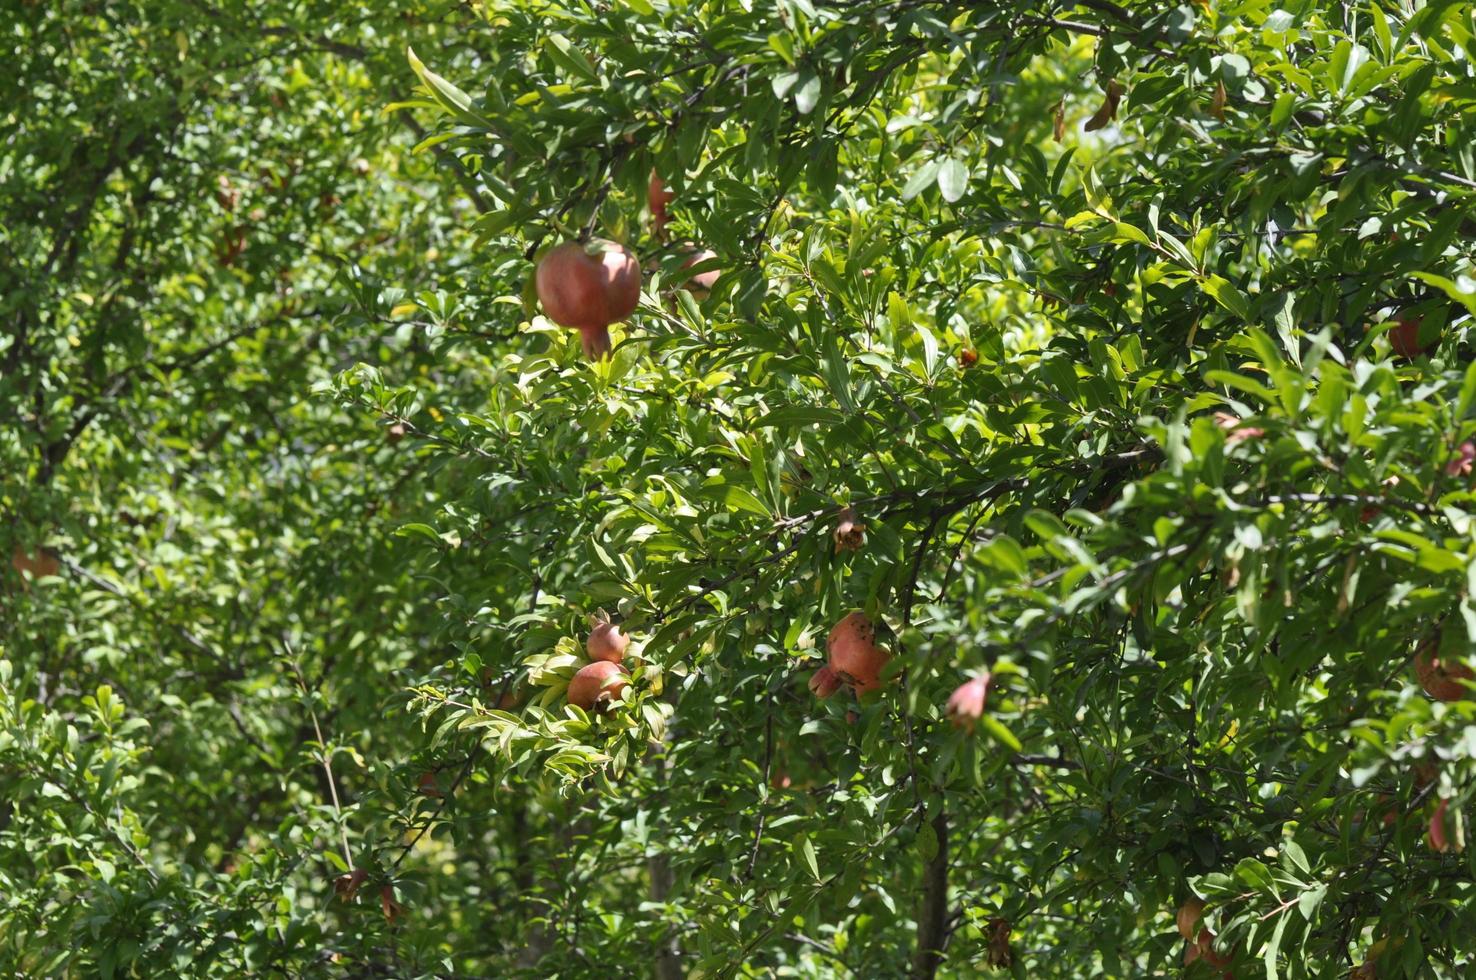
[(1111, 358)]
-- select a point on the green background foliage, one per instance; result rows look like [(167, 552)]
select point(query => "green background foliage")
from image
[(1083, 308)]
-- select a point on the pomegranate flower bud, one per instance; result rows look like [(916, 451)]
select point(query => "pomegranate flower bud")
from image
[(392, 909), (1461, 464), (347, 886), (966, 704), (1234, 431), (824, 683)]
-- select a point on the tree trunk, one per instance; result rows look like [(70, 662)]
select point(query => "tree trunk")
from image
[(668, 955), (932, 913)]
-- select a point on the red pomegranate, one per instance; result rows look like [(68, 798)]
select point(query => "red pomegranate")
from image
[(1439, 842), (700, 284), (596, 683), (606, 642), (1441, 677), (824, 683), (38, 565), (659, 197), (1404, 337), (854, 654), (1188, 917), (588, 287), (1207, 950)]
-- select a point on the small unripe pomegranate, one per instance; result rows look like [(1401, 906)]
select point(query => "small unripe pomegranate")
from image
[(1460, 464), (853, 651), (588, 287), (850, 534), (1188, 917), (1404, 337), (395, 433), (966, 703), (1441, 677), (596, 683), (606, 642)]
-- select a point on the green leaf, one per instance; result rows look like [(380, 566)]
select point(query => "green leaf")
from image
[(1273, 948), (953, 179), (1227, 295), (1295, 857), (734, 498), (807, 95), (1463, 292), (451, 98), (806, 851), (1001, 734), (920, 181)]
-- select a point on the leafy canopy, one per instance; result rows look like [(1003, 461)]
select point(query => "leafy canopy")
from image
[(1134, 335)]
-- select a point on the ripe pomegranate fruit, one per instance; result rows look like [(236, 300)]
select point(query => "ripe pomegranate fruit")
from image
[(968, 357), (1206, 946), (824, 683), (427, 785), (1441, 677), (588, 287), (596, 683), (659, 197), (854, 654), (1439, 842), (1188, 917), (701, 284), (606, 642), (1404, 338), (39, 565)]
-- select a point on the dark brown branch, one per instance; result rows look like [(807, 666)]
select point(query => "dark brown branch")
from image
[(932, 916)]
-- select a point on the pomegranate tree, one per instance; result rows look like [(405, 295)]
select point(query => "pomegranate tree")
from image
[(588, 286)]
